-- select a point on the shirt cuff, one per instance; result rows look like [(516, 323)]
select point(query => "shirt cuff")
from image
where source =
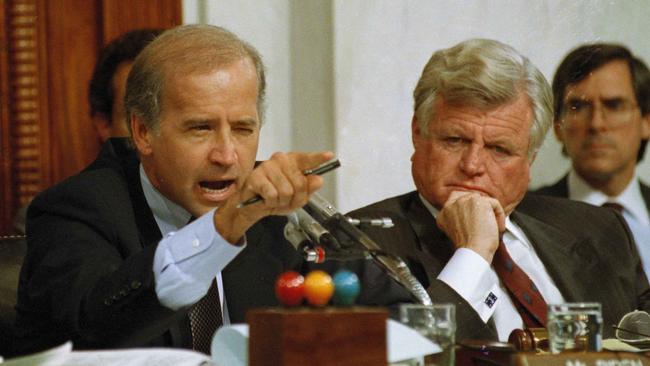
[(186, 262), (472, 278)]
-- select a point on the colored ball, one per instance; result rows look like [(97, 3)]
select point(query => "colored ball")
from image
[(346, 287), (318, 288), (290, 288)]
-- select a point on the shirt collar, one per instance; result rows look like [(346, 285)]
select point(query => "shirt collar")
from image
[(513, 231), (168, 215), (631, 198)]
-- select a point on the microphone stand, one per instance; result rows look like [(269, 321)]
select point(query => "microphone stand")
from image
[(342, 228)]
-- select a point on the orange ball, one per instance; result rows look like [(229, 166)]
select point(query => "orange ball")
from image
[(319, 288)]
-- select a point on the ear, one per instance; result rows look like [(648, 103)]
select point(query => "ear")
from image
[(102, 126), (141, 135), (645, 126), (416, 133), (557, 129)]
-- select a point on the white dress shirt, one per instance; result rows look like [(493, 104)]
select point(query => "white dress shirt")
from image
[(189, 256), (635, 211), (475, 280)]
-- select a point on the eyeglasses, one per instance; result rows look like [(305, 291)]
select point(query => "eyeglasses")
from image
[(616, 112)]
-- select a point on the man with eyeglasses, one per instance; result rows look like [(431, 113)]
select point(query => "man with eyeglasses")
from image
[(602, 117)]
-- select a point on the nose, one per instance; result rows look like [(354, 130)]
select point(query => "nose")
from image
[(597, 121), (472, 161), (223, 150)]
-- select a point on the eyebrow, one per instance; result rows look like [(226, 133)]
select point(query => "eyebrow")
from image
[(606, 99), (246, 121), (198, 121)]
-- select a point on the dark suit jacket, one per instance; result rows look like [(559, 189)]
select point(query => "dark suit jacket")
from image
[(88, 272), (561, 189), (582, 247)]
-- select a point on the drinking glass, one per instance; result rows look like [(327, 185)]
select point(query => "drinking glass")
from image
[(575, 327), (436, 322)]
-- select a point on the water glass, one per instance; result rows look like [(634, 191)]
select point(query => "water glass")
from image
[(575, 327), (436, 322)]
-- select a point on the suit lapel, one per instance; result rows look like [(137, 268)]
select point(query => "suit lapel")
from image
[(433, 247), (118, 154), (572, 262), (146, 223), (561, 188)]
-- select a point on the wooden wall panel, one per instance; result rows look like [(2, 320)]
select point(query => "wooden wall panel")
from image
[(48, 51), (121, 16), (6, 153), (31, 143), (26, 144), (72, 48)]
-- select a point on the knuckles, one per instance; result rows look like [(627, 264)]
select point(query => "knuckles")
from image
[(291, 191)]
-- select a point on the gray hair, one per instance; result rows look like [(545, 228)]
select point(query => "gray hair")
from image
[(485, 74), (185, 49)]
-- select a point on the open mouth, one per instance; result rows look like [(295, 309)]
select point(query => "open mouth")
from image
[(216, 187)]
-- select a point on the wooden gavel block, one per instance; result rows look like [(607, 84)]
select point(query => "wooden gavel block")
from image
[(317, 336)]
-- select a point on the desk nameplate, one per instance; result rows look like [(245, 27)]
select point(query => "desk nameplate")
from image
[(583, 359)]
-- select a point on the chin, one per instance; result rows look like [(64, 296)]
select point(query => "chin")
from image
[(201, 208)]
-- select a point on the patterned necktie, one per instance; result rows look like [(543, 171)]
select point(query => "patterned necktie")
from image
[(205, 318), (527, 299)]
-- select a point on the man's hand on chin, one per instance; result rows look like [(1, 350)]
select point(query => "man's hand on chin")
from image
[(282, 186), (473, 221)]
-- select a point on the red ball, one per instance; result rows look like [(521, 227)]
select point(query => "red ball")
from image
[(318, 288), (290, 288)]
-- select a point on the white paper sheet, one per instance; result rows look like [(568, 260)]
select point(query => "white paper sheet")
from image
[(52, 357), (230, 345), (62, 356), (405, 343)]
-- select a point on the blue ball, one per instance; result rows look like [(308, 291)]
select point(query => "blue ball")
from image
[(346, 287)]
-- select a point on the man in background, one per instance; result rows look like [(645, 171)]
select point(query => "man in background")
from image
[(106, 92), (108, 83), (470, 233), (602, 118)]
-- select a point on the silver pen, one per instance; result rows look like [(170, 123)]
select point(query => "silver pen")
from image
[(319, 170)]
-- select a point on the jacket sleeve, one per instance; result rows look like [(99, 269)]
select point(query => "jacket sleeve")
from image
[(88, 274), (403, 242)]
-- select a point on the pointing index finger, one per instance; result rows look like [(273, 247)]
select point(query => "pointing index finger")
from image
[(317, 170), (311, 161)]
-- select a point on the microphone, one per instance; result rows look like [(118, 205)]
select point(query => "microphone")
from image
[(344, 230), (302, 231), (316, 232)]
